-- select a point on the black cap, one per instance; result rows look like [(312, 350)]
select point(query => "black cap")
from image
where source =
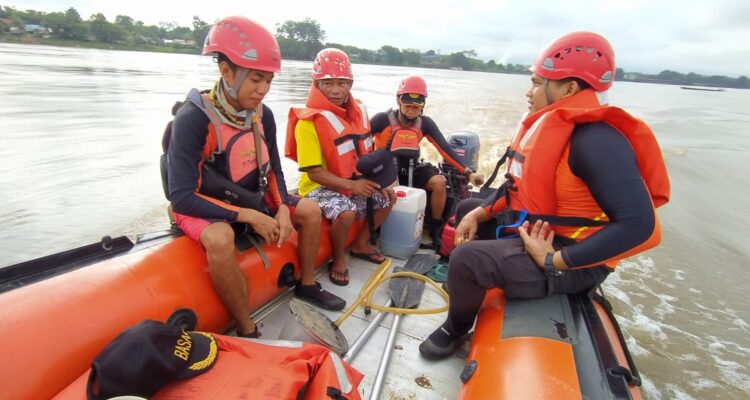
[(378, 167), (146, 357), (413, 98)]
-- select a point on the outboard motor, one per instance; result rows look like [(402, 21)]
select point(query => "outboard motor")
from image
[(466, 146)]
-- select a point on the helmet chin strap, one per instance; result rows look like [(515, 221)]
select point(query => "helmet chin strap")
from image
[(238, 80), (547, 92), (405, 118)]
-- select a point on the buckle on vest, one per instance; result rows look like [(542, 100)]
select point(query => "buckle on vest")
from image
[(509, 219), (506, 218)]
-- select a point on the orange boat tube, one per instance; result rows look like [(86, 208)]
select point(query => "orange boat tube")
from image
[(559, 347), (52, 329)]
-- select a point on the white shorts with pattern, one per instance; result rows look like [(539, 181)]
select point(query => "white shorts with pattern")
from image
[(334, 203)]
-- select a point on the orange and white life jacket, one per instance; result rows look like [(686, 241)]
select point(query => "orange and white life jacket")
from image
[(343, 133), (248, 369), (270, 370), (539, 179)]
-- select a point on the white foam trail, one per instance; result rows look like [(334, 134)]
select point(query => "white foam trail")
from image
[(677, 394), (730, 372), (742, 324), (679, 274), (649, 389), (689, 357)]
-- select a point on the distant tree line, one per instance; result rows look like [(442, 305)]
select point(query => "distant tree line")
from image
[(298, 40), (301, 40), (32, 26)]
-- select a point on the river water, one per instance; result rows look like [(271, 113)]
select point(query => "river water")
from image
[(81, 132)]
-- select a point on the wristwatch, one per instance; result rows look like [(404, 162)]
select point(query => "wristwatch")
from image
[(549, 265)]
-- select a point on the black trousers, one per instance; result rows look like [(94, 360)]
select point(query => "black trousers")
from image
[(488, 263)]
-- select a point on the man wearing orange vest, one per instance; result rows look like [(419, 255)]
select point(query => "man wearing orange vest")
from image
[(224, 141), (401, 130), (326, 139), (583, 180)]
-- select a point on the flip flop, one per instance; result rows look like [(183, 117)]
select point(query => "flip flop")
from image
[(371, 257), (337, 281)]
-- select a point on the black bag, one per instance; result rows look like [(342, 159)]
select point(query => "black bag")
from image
[(216, 185)]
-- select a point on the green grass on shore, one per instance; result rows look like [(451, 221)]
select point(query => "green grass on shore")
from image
[(99, 45)]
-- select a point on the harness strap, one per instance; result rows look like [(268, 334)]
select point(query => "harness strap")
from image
[(514, 218), (262, 172), (499, 164), (258, 246)]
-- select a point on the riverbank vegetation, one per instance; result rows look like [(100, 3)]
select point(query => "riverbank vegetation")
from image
[(299, 40)]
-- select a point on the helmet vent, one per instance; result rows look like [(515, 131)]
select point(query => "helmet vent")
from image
[(548, 64), (251, 55), (606, 77)]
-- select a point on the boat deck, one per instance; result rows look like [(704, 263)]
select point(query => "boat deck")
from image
[(409, 376)]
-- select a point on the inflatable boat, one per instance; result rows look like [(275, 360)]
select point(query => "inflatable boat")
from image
[(58, 312)]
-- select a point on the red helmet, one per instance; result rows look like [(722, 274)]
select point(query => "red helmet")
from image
[(412, 84), (332, 63), (245, 43), (584, 55)]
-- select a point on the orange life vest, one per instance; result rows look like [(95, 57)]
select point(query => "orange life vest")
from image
[(246, 369), (344, 133), (399, 140), (542, 183), (273, 370), (237, 146)]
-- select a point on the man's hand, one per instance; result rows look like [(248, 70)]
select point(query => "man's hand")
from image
[(476, 178), (466, 230), (285, 224), (390, 194), (538, 241), (263, 225), (364, 187)]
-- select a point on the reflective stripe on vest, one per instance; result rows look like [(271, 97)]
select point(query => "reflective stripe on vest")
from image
[(333, 120), (338, 365), (365, 117), (345, 147)]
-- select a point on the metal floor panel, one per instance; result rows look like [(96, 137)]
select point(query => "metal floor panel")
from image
[(409, 375)]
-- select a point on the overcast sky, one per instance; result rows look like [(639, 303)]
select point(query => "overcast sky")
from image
[(703, 36)]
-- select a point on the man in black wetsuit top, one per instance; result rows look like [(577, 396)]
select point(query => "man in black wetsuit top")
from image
[(401, 131), (582, 183)]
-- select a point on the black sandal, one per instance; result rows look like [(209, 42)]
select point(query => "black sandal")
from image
[(337, 281)]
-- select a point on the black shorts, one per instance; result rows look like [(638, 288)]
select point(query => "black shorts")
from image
[(422, 174)]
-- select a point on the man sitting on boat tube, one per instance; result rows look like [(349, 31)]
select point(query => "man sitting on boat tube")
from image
[(223, 167), (326, 139), (583, 180)]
